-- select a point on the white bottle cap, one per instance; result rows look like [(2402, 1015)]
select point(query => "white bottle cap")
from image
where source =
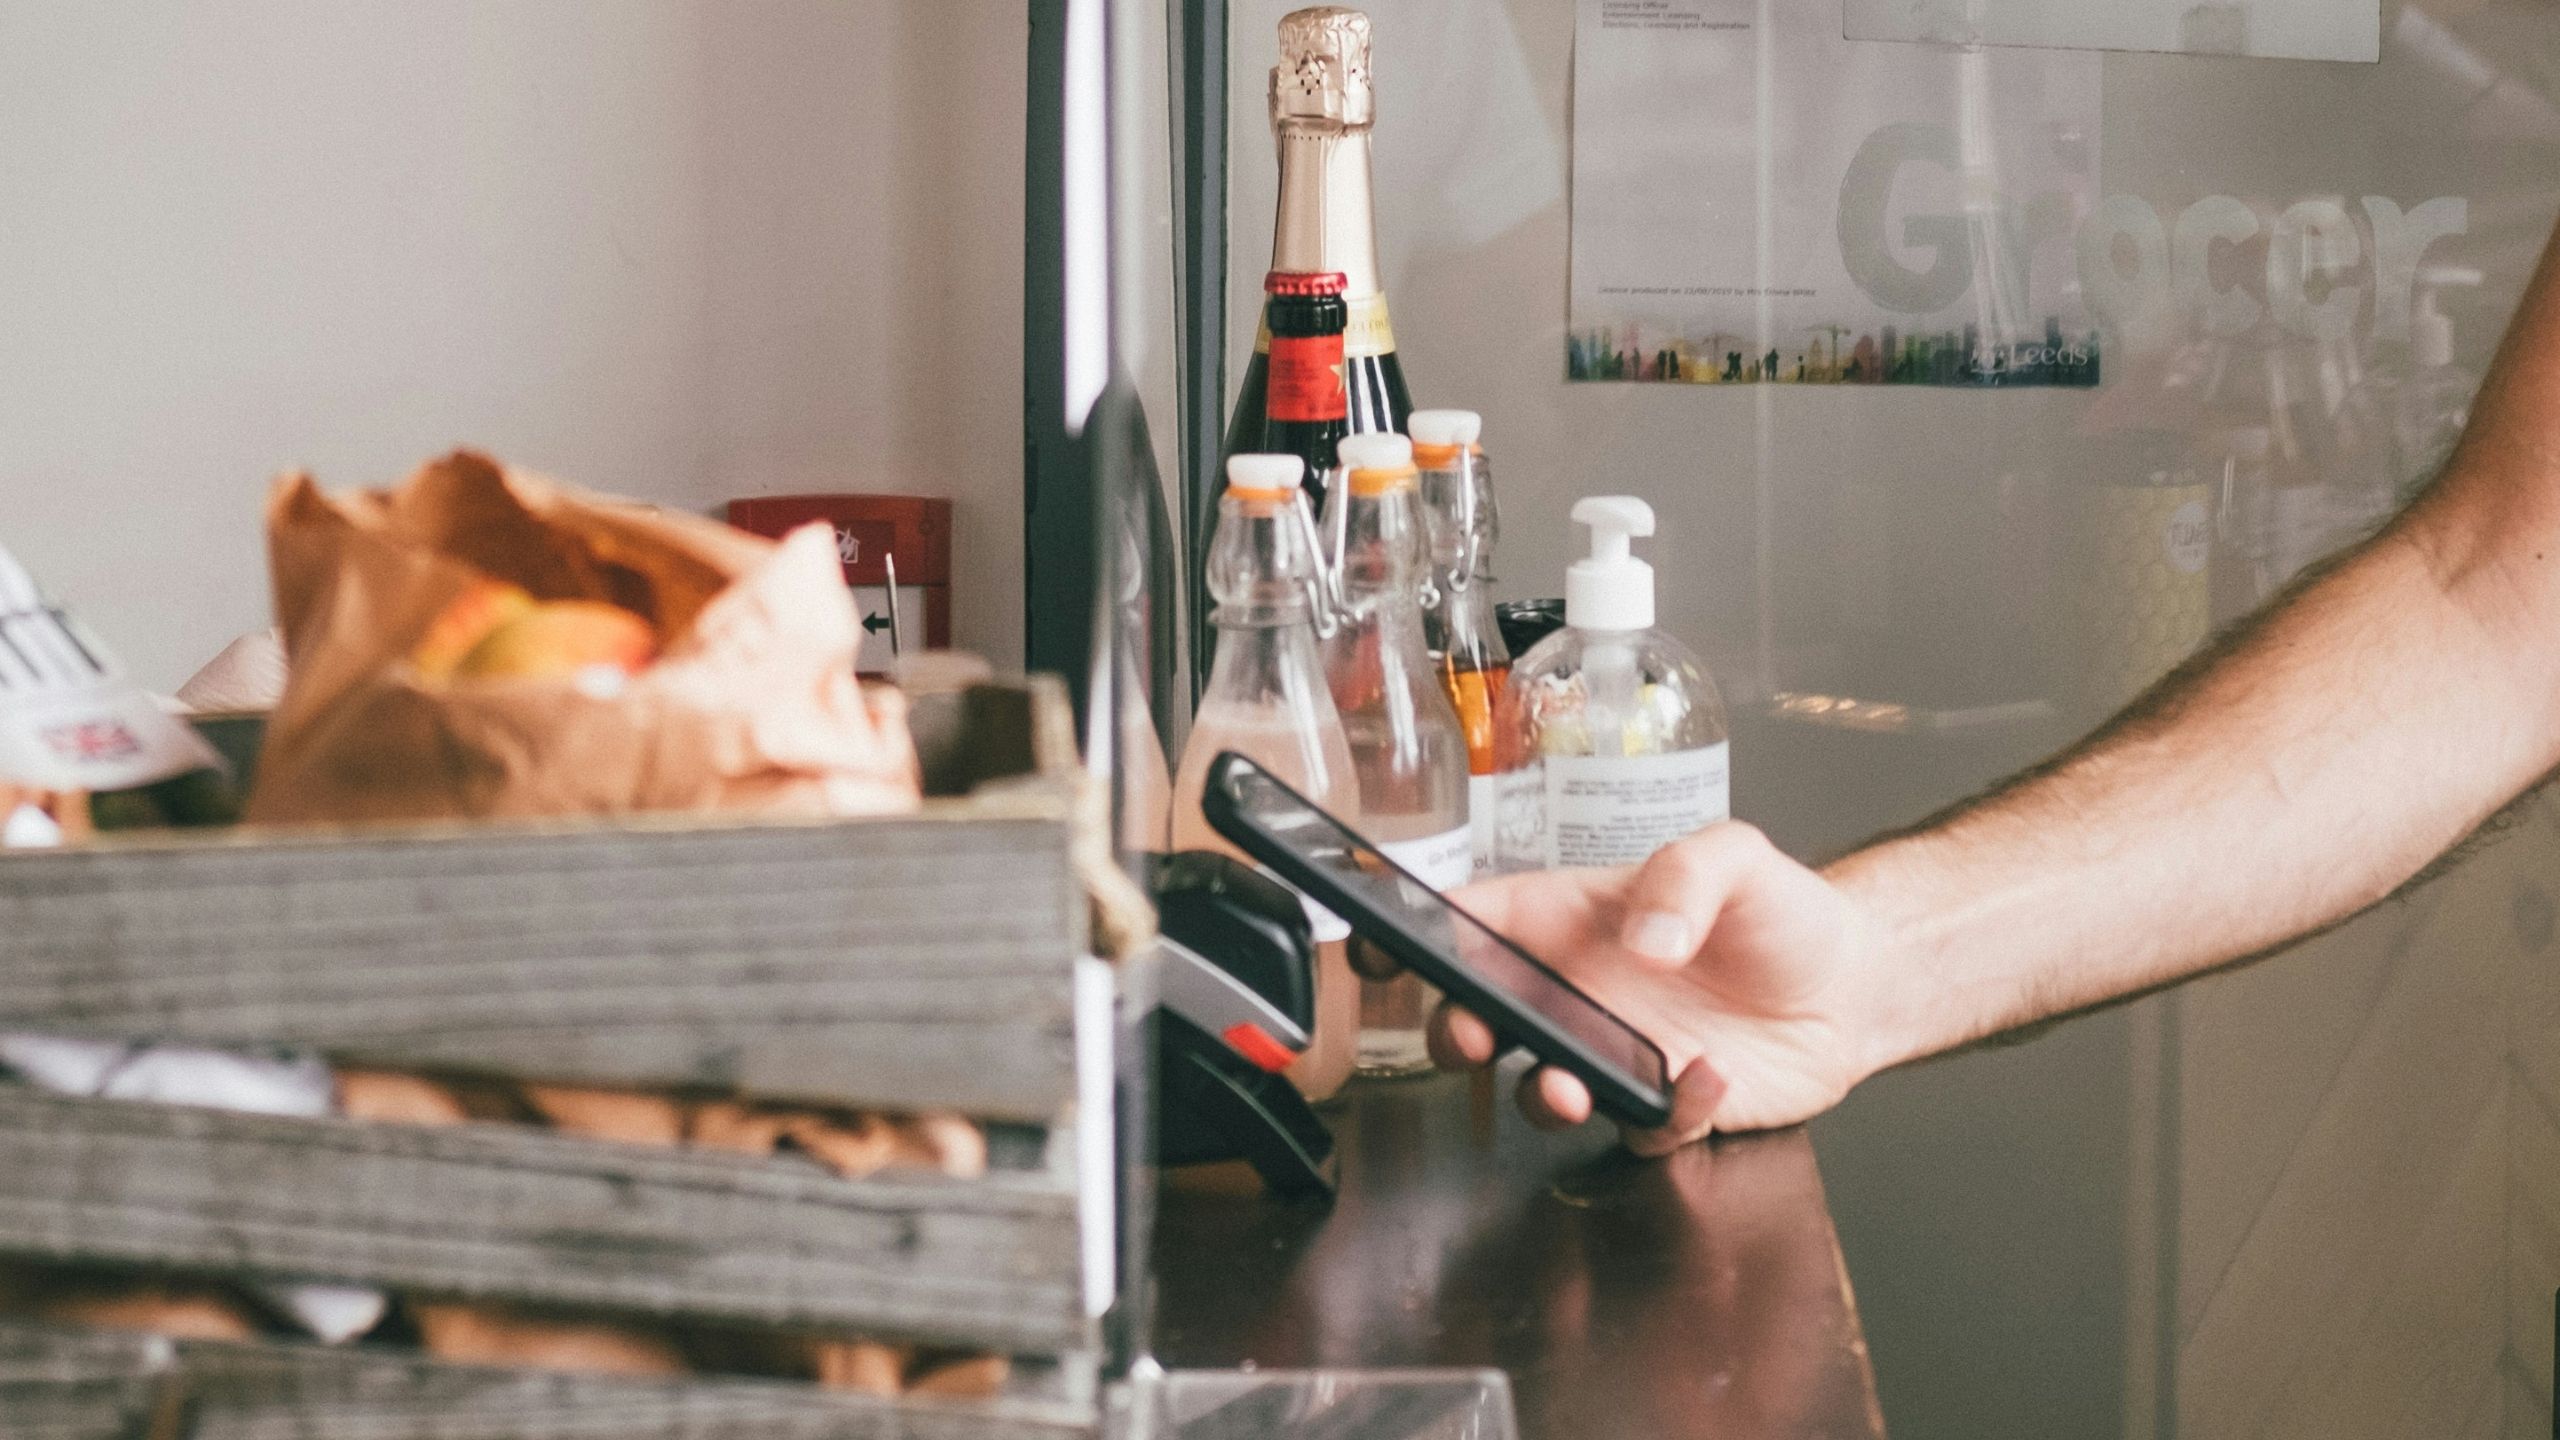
[(1444, 427), (1266, 472), (1376, 450), (1610, 589)]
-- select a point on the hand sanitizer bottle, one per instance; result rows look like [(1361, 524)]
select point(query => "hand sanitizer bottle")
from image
[(1621, 733)]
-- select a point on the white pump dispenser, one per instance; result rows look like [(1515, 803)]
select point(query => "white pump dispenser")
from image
[(1610, 589), (1620, 743)]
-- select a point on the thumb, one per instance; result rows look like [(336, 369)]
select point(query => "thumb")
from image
[(1672, 900), (1694, 1098)]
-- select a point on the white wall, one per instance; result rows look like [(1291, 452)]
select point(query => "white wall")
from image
[(679, 249)]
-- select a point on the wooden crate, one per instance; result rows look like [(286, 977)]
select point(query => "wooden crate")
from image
[(98, 1385), (924, 962)]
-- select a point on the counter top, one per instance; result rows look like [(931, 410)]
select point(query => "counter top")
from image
[(1699, 1296)]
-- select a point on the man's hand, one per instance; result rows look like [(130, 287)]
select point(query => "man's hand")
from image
[(1755, 975)]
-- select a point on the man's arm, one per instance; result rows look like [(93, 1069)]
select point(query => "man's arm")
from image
[(2295, 774)]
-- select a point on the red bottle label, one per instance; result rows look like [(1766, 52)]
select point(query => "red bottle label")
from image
[(1306, 378)]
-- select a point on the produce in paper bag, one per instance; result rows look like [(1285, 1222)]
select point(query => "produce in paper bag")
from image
[(435, 670), (505, 1335)]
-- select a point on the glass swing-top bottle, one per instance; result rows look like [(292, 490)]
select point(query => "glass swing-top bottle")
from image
[(1267, 699), (1460, 628), (1406, 747)]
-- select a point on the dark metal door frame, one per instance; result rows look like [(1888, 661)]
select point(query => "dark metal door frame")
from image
[(1058, 534), (1199, 34), (1060, 508)]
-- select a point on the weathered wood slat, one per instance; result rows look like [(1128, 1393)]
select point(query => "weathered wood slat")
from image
[(495, 1211), (59, 1385), (901, 963), (912, 963), (33, 1354), (71, 1385)]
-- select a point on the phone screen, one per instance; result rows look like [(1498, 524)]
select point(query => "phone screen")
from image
[(1352, 862)]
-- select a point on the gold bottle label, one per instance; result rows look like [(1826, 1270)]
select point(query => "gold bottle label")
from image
[(1368, 335)]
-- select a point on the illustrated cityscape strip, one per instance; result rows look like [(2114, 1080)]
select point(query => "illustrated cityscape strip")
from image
[(1831, 356)]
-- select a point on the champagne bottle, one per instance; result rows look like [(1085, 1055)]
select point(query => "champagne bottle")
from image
[(1321, 111), (1296, 401)]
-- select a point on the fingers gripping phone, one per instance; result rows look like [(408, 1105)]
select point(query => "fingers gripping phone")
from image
[(1525, 1002)]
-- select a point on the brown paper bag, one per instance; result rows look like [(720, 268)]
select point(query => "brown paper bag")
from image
[(751, 705)]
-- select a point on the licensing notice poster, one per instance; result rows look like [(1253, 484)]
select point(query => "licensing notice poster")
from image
[(1757, 199)]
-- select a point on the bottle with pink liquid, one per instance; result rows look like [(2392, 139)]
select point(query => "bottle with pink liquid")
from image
[(1267, 699)]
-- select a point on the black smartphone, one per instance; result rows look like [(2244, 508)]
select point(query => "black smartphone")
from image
[(1525, 1002)]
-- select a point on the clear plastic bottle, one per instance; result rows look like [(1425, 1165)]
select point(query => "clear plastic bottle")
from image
[(1461, 632), (1267, 699), (1406, 747), (1621, 732)]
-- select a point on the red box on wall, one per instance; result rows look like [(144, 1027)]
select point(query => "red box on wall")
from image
[(870, 529)]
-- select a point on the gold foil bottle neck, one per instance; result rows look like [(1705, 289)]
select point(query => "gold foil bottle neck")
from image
[(1323, 74)]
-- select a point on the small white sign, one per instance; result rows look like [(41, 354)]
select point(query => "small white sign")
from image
[(2267, 29), (871, 602)]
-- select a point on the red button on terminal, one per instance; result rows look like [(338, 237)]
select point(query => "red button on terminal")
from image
[(1255, 1044)]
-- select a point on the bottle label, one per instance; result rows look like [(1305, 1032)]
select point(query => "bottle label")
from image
[(1444, 861), (1328, 926), (1618, 810), (2152, 600), (1520, 819), (2186, 541), (1306, 379), (1484, 825), (1369, 334)]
